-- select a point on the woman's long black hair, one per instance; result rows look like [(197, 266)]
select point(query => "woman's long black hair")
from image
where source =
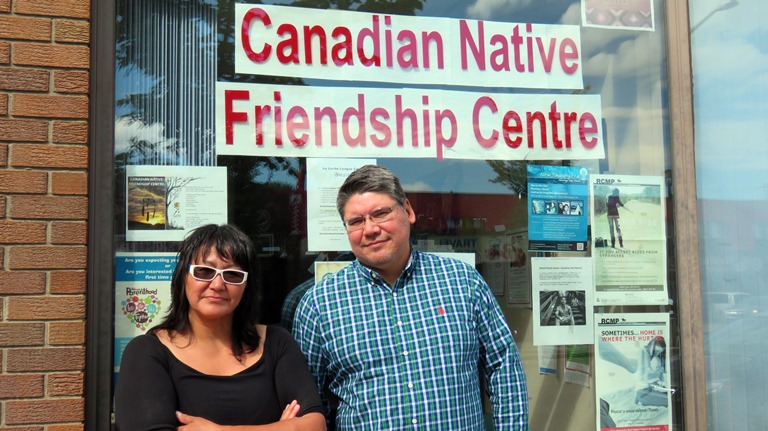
[(233, 245)]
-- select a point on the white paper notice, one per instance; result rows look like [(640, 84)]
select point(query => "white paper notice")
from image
[(562, 295), (325, 231), (548, 360)]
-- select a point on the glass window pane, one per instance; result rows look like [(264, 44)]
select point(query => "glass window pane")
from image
[(171, 54), (727, 46)]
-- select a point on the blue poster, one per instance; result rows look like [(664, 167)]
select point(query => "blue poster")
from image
[(142, 294), (557, 208)]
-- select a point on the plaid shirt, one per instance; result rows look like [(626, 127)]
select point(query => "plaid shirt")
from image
[(406, 357)]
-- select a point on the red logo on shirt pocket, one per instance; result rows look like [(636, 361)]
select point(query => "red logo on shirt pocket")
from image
[(441, 311)]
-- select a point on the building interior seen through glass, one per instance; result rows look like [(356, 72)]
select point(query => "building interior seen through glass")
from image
[(517, 129), (729, 69)]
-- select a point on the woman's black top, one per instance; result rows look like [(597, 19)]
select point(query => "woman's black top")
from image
[(153, 384)]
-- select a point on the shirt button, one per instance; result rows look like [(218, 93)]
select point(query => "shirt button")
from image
[(410, 385), (405, 353), (395, 295), (414, 421), (399, 323)]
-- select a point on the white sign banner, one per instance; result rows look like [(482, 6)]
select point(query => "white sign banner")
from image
[(342, 122), (357, 46)]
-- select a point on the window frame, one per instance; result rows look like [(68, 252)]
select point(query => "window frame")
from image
[(100, 273)]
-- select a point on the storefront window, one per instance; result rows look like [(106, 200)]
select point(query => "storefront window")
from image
[(470, 104), (732, 190)]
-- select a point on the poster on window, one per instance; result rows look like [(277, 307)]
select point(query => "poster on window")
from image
[(618, 15), (163, 203), (557, 208), (562, 300), (519, 269), (632, 382), (629, 239), (325, 229), (142, 294)]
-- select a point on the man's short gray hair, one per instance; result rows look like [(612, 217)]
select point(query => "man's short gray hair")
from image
[(370, 178)]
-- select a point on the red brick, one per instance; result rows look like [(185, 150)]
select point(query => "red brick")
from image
[(48, 207), (58, 8), (22, 334), (68, 81), (64, 427), (23, 130), (65, 384), (3, 155), (66, 333), (21, 385), (69, 183), (5, 5), (22, 231), (22, 282), (68, 31), (48, 257), (69, 232), (23, 181), (28, 428), (61, 56), (67, 282), (49, 156), (5, 52), (45, 307), (25, 28), (13, 79), (3, 104), (70, 132), (49, 106), (44, 411), (2, 206), (2, 317), (45, 359)]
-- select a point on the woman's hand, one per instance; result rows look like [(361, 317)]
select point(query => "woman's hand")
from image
[(194, 423), (290, 411)]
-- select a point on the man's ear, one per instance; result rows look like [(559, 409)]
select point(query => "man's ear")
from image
[(409, 210)]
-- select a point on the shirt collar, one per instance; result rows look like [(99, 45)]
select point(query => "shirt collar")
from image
[(371, 275)]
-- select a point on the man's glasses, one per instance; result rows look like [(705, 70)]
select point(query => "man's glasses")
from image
[(377, 216), (206, 273)]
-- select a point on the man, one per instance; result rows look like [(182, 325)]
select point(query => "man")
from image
[(398, 336), (612, 203), (564, 313)]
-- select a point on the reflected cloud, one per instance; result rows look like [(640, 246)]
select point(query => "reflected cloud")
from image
[(484, 9), (418, 186), (730, 70)]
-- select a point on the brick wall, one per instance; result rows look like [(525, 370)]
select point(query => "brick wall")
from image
[(44, 75)]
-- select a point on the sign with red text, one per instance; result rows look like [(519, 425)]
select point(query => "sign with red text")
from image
[(330, 122), (356, 46)]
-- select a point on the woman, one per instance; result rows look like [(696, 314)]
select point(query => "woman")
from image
[(652, 386), (209, 365)]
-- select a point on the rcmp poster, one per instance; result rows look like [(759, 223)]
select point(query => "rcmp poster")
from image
[(632, 380), (629, 248)]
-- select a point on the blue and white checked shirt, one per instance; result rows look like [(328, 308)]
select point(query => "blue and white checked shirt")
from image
[(406, 358)]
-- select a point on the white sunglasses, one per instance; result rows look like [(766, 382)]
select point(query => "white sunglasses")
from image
[(207, 273)]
